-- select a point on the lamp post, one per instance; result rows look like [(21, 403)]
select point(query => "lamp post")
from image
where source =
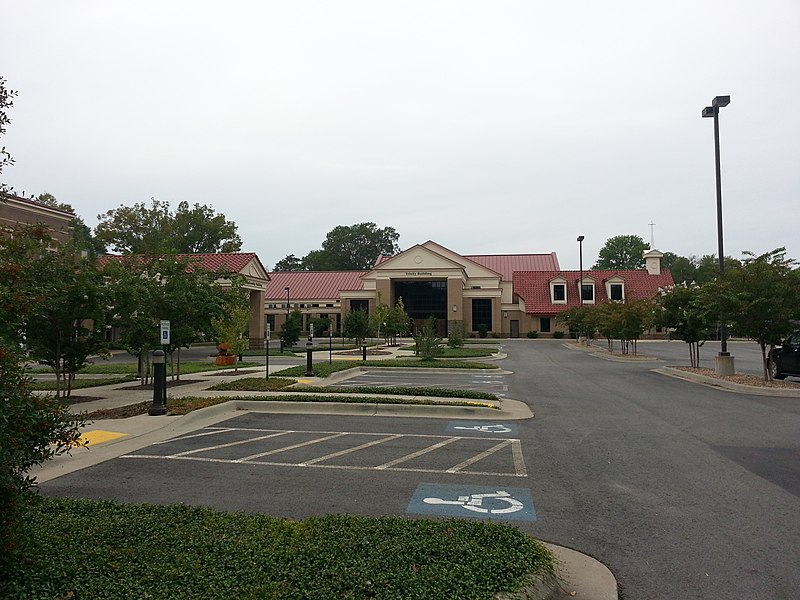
[(287, 303), (580, 281), (724, 361)]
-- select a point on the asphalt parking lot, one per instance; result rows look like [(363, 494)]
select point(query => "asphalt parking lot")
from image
[(481, 380), (682, 490)]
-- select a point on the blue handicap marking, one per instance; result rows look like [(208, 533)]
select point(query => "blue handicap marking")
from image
[(484, 427), (481, 502)]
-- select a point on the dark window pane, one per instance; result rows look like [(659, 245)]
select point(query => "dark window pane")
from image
[(359, 305), (423, 299), (587, 292), (544, 324), (559, 292), (616, 291), (481, 313)]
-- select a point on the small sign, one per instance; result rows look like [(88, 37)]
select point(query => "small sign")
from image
[(311, 330), (165, 333), (268, 335)]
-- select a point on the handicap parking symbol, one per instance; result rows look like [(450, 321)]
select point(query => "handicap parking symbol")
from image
[(462, 427), (473, 501)]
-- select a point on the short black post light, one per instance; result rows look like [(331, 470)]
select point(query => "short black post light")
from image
[(310, 352), (159, 406), (723, 361), (580, 259)]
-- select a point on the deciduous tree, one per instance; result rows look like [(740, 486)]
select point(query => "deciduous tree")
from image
[(622, 252), (760, 300), (156, 230)]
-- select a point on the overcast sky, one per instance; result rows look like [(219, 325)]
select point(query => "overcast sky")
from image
[(488, 127)]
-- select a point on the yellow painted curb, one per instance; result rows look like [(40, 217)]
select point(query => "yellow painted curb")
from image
[(98, 436)]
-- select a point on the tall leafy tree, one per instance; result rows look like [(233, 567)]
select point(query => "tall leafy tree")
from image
[(290, 263), (622, 252), (356, 326), (156, 230), (33, 428), (81, 233), (681, 308), (6, 101), (760, 300), (346, 248)]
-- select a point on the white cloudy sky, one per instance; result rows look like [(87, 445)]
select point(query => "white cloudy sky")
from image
[(489, 127)]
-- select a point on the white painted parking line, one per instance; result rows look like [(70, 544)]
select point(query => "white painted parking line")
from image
[(286, 448), (408, 457), (477, 457), (229, 444), (195, 435), (381, 438), (314, 461)]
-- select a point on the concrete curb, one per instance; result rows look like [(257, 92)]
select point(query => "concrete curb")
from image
[(727, 385)]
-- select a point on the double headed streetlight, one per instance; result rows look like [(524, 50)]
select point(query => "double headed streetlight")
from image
[(724, 361)]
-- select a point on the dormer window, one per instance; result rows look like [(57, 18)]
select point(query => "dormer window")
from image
[(558, 291), (615, 289), (587, 291)]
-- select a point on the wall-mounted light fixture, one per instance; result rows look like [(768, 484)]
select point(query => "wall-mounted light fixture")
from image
[(505, 314), (455, 307)]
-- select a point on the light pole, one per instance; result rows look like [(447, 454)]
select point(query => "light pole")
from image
[(580, 281), (287, 303), (724, 360)]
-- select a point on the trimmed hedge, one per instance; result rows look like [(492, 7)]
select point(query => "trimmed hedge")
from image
[(87, 549), (253, 384)]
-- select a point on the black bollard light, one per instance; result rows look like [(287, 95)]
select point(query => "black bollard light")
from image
[(159, 406), (364, 352), (309, 353)]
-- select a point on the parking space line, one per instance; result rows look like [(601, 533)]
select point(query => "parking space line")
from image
[(268, 463), (519, 461), (286, 448), (229, 444), (408, 457), (478, 457), (314, 461), (194, 435), (384, 433)]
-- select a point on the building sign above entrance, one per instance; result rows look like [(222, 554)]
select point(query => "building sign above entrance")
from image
[(418, 273)]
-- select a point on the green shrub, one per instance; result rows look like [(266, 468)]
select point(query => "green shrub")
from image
[(456, 338), (558, 334), (183, 552), (483, 330), (533, 334), (429, 344)]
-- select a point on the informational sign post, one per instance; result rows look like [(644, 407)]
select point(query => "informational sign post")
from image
[(164, 337)]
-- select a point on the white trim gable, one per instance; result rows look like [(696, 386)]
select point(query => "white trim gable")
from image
[(558, 281)]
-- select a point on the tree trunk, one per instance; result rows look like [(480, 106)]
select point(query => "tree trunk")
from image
[(765, 360), (179, 364)]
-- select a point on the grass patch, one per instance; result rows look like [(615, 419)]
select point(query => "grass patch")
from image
[(254, 384), (327, 369), (79, 384), (272, 352), (89, 549)]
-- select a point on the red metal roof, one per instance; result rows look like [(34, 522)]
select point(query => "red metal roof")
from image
[(508, 264), (310, 285), (534, 287), (222, 261)]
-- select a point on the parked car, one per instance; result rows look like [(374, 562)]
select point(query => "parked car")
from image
[(786, 357)]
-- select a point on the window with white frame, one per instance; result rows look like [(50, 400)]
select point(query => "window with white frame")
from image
[(587, 291), (558, 291), (615, 289)]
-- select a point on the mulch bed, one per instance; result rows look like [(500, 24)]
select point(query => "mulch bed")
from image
[(742, 378), (229, 372)]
